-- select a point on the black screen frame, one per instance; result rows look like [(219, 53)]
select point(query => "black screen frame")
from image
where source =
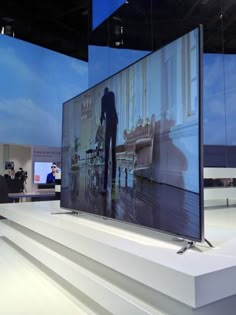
[(201, 145)]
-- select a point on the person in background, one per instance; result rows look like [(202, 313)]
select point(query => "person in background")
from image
[(52, 176), (12, 173), (3, 190)]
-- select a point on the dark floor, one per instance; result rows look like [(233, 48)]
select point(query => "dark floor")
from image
[(135, 200)]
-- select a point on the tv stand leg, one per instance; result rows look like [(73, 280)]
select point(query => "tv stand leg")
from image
[(188, 245), (208, 243), (191, 244), (67, 212)]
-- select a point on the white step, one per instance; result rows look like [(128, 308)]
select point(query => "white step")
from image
[(25, 290), (103, 297), (142, 267)]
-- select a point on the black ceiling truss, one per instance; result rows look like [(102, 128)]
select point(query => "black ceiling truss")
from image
[(65, 26)]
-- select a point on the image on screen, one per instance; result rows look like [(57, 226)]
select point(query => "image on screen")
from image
[(9, 165), (131, 145), (41, 170)]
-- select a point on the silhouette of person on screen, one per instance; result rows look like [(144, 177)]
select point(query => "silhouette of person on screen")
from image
[(109, 114)]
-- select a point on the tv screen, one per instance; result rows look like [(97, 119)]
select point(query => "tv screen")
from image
[(131, 145), (9, 165), (41, 170)]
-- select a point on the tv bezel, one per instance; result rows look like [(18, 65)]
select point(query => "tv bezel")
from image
[(200, 135)]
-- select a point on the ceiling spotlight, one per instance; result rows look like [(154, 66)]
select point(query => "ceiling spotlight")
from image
[(8, 30), (119, 43)]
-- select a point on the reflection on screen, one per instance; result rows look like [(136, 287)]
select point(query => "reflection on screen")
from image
[(100, 69), (130, 148)]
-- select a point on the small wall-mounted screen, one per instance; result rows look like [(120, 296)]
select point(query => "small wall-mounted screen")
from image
[(9, 165)]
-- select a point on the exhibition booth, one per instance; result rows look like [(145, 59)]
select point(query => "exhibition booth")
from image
[(139, 226)]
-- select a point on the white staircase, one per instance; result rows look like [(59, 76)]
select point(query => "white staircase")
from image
[(99, 268)]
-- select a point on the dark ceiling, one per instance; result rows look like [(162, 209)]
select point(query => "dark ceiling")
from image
[(65, 26), (58, 25), (150, 24)]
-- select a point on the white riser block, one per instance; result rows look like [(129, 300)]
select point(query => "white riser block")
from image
[(27, 291), (149, 261), (112, 298)]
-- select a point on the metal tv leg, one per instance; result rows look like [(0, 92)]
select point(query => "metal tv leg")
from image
[(191, 244), (188, 245), (208, 243)]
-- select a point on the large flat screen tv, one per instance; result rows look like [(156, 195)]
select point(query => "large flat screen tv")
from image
[(131, 145)]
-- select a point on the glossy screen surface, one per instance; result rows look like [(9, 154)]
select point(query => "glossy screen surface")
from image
[(142, 165)]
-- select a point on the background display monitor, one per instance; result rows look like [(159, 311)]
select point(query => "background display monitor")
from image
[(41, 170), (9, 165), (131, 145)]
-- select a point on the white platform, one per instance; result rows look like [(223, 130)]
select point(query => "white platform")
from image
[(25, 290), (115, 268)]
